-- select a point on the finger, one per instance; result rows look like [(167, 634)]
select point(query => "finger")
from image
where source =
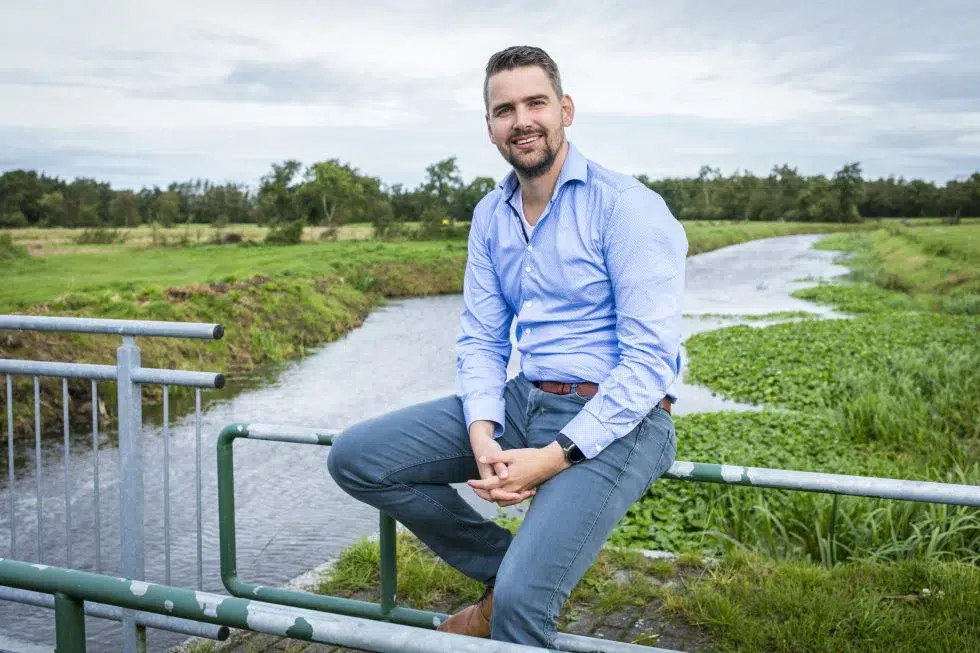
[(501, 469), (499, 494), (499, 457), (483, 494), (488, 483), (504, 504)]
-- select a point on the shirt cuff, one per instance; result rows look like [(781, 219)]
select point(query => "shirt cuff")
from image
[(481, 408), (588, 434)]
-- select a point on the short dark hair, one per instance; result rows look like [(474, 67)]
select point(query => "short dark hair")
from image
[(517, 56)]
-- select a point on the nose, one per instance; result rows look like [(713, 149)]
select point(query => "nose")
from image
[(523, 118)]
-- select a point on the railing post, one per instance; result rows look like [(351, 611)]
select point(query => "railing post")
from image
[(69, 623), (389, 566), (130, 483)]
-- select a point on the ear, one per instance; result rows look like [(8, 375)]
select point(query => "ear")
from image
[(567, 111)]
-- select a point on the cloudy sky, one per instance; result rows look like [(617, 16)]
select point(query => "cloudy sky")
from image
[(140, 93)]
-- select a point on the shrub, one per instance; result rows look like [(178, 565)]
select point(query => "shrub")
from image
[(286, 233), (9, 250), (101, 236)]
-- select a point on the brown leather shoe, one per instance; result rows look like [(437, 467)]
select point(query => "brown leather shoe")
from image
[(473, 620)]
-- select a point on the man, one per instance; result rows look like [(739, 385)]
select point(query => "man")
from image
[(591, 264)]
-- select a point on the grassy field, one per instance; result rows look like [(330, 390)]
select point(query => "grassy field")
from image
[(739, 603)]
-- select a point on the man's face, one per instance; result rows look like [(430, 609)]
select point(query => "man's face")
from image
[(526, 119)]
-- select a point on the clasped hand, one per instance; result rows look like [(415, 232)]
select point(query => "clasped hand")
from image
[(509, 477)]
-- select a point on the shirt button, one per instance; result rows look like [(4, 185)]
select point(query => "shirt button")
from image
[(527, 330), (527, 269), (598, 448), (528, 303), (530, 247)]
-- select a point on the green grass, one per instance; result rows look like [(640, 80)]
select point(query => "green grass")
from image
[(742, 603), (41, 280), (698, 517), (906, 269), (752, 604)]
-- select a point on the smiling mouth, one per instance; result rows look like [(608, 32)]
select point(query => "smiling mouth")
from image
[(526, 142)]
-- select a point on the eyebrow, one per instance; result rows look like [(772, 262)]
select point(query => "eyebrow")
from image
[(539, 96)]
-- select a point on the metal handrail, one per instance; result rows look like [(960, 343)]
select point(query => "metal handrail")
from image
[(71, 588), (110, 373), (113, 327), (387, 610)]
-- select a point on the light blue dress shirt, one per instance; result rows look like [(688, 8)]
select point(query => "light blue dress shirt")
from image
[(597, 291)]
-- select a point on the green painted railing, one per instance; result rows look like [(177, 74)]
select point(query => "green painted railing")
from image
[(71, 588), (387, 610)]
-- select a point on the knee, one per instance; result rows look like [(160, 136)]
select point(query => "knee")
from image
[(348, 461)]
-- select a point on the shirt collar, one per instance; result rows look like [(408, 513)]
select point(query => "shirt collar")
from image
[(576, 167)]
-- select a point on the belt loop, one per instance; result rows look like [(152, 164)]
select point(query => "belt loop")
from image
[(573, 389)]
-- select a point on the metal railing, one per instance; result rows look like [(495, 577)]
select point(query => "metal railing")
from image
[(129, 376), (72, 588), (388, 610)]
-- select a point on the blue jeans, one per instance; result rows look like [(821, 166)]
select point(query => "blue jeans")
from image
[(403, 462)]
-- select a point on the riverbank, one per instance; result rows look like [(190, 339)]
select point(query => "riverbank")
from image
[(276, 302)]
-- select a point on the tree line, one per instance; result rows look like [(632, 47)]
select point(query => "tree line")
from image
[(331, 193)]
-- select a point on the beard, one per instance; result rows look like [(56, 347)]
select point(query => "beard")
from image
[(534, 164)]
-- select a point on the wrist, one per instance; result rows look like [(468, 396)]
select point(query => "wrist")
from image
[(481, 429), (556, 457)]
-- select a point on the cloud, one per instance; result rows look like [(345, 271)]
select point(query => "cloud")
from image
[(142, 93)]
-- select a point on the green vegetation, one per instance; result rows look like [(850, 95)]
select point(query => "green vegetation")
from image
[(9, 250), (799, 364), (741, 603), (42, 280), (907, 269), (893, 392), (752, 604), (761, 317), (705, 236), (332, 193)]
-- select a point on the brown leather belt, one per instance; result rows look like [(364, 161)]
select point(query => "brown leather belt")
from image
[(585, 389)]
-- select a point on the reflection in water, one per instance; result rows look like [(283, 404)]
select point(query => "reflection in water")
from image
[(290, 516)]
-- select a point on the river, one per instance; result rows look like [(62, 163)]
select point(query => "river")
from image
[(290, 515)]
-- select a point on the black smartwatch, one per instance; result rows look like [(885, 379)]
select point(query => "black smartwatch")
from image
[(573, 454)]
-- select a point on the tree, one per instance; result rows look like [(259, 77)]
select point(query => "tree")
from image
[(168, 208), (277, 195), (123, 209), (442, 182), (848, 189), (467, 197), (335, 192)]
